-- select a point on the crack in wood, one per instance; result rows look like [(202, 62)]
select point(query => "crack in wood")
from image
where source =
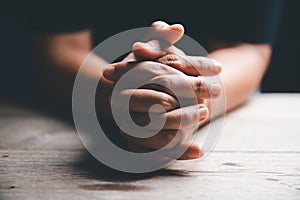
[(113, 186), (232, 164)]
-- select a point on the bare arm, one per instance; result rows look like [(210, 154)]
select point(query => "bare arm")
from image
[(59, 56), (243, 68)]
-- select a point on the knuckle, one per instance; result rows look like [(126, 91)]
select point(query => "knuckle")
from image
[(201, 63), (167, 101), (187, 118), (199, 85), (171, 59)]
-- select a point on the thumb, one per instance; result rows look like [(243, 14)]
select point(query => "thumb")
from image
[(153, 50), (150, 50), (169, 33), (158, 38)]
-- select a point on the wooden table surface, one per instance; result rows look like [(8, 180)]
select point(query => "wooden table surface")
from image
[(257, 157)]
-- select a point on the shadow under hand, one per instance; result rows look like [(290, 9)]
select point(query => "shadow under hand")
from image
[(93, 169), (86, 165)]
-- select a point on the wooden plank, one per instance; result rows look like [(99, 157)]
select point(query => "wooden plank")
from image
[(270, 122), (254, 127), (38, 132), (43, 174), (257, 157)]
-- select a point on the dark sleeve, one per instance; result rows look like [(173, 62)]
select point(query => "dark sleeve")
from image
[(56, 16), (250, 21)]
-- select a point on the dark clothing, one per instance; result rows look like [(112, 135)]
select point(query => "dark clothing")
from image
[(253, 21), (250, 21)]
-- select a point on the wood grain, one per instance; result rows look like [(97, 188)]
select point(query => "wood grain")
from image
[(257, 157)]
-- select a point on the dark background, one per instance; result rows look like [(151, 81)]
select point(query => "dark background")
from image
[(16, 75), (283, 74)]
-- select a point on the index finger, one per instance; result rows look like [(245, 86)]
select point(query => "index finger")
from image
[(144, 70), (192, 65)]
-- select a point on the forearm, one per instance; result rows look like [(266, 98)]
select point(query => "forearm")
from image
[(68, 67), (59, 57), (243, 69)]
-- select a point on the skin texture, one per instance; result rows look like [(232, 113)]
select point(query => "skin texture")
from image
[(242, 68)]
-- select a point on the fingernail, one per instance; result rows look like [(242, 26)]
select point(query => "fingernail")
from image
[(219, 69), (218, 66), (108, 72), (215, 90), (193, 154), (177, 27), (203, 112)]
